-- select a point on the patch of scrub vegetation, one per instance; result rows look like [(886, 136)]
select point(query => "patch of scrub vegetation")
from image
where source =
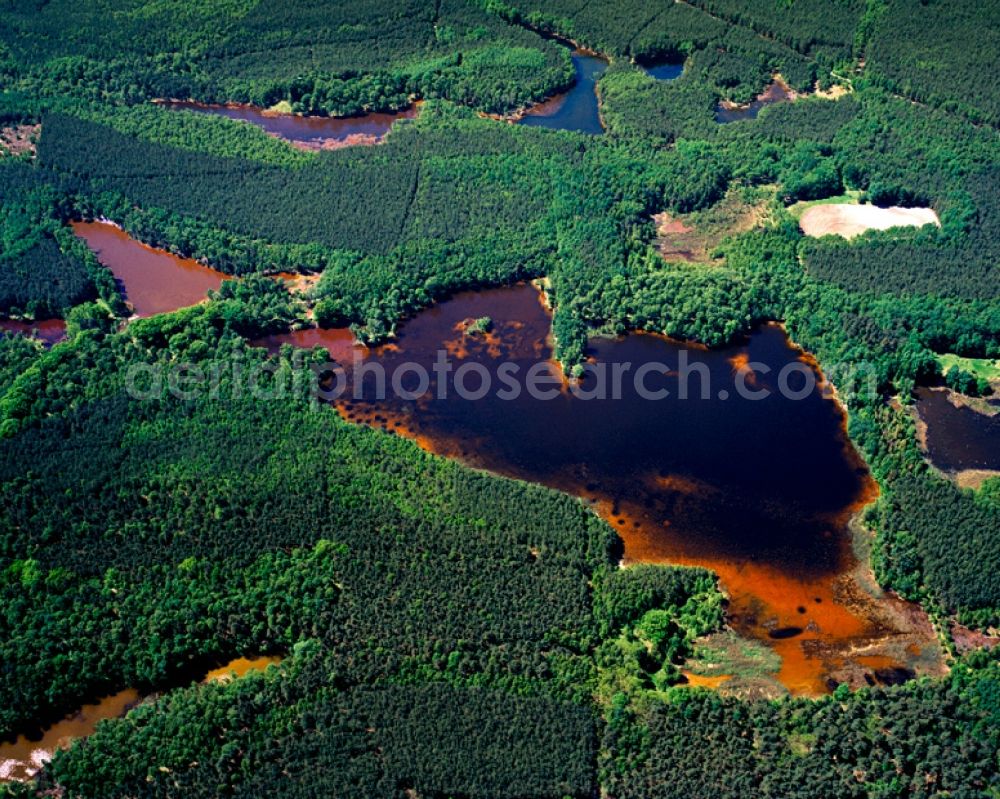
[(749, 666), (281, 107), (480, 326), (658, 613), (848, 197), (695, 237)]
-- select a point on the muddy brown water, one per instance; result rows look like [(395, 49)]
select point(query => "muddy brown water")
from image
[(776, 92), (339, 342), (311, 132), (152, 281), (760, 491), (49, 331)]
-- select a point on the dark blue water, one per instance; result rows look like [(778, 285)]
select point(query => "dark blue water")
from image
[(575, 110), (759, 490), (759, 480), (665, 71)]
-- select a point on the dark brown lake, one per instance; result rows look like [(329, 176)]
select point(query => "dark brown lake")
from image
[(959, 437), (761, 490)]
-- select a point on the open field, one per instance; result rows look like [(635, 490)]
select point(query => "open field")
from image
[(852, 220)]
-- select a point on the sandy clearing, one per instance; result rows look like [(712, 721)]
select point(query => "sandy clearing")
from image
[(974, 478), (850, 220), (835, 92)]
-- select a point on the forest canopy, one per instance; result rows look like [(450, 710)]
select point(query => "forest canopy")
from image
[(444, 632)]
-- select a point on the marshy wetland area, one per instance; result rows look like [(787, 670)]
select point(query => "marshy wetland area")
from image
[(488, 400)]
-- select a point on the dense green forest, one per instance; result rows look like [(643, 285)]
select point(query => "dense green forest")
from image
[(448, 633), (376, 563), (44, 270), (926, 739), (937, 53), (343, 59)]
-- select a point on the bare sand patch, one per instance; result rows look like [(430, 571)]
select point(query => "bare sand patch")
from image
[(835, 92), (849, 220), (974, 478)]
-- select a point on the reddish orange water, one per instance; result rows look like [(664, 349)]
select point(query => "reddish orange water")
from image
[(50, 331), (21, 759), (339, 342), (701, 681), (152, 281)]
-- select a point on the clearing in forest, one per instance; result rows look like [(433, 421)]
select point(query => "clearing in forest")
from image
[(694, 237), (849, 220)]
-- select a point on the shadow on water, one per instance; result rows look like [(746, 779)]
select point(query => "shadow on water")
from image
[(575, 110), (665, 72), (759, 490)]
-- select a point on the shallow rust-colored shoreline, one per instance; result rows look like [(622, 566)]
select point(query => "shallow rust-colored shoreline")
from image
[(23, 758)]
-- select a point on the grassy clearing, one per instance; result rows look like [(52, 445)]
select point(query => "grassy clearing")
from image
[(749, 667), (984, 368), (727, 653), (799, 208)]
